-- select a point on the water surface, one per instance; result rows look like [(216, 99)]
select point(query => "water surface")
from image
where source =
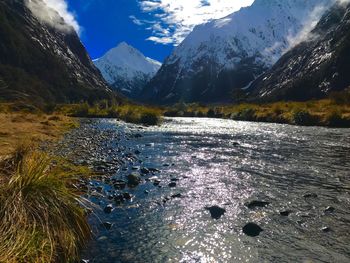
[(224, 163)]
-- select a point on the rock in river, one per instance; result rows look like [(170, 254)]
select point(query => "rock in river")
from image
[(144, 170), (108, 209), (107, 225), (255, 203), (119, 184), (134, 179), (172, 184), (252, 229), (216, 212), (326, 229), (329, 209), (310, 195), (285, 212)]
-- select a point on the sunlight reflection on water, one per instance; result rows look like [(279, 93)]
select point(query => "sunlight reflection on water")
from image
[(227, 163)]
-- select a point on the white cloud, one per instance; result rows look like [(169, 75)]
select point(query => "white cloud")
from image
[(136, 21), (52, 12), (315, 16), (177, 18)]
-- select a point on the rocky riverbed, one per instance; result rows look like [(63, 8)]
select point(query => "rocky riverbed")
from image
[(207, 190)]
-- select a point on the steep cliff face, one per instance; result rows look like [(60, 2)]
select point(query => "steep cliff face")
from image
[(315, 67), (126, 69), (43, 62), (229, 53)]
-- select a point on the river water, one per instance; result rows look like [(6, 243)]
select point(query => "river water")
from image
[(303, 170)]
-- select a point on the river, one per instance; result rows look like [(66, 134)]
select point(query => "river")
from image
[(301, 171)]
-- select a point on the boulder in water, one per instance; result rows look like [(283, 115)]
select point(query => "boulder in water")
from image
[(252, 230), (216, 212), (134, 179)]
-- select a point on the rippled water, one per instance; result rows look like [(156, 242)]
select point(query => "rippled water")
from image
[(226, 163)]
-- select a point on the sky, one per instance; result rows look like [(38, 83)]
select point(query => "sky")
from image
[(152, 26)]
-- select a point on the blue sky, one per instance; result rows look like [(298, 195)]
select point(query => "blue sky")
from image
[(105, 23), (152, 26)]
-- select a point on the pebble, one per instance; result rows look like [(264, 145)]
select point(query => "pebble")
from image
[(172, 184), (176, 196), (326, 229), (310, 195), (329, 209), (285, 213), (127, 196), (107, 225), (144, 170), (108, 209)]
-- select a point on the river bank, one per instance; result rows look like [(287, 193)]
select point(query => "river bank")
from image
[(334, 113)]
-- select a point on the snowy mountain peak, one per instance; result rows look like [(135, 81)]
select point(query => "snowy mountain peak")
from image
[(126, 69), (229, 53)]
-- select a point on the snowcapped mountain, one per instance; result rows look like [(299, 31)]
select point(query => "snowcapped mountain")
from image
[(315, 67), (126, 69), (229, 53)]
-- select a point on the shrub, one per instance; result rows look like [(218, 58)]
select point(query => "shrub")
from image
[(81, 110), (340, 97), (149, 118), (303, 117), (211, 113), (40, 219), (246, 114), (336, 120)]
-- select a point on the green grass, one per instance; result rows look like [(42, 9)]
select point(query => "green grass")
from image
[(40, 216)]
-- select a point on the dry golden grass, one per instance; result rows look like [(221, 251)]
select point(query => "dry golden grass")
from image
[(325, 112), (40, 218), (18, 127)]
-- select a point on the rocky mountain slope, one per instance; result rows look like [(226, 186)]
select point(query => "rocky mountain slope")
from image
[(126, 69), (41, 61), (229, 53), (315, 67)]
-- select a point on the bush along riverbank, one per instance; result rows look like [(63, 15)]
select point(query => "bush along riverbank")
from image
[(41, 214), (132, 113), (332, 112)]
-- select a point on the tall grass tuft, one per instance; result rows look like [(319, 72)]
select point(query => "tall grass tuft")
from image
[(40, 216)]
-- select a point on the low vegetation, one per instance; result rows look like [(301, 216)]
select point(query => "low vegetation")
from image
[(104, 109), (332, 112), (27, 124), (40, 216)]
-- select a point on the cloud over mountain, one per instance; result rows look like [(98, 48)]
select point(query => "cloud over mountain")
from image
[(174, 20), (52, 12)]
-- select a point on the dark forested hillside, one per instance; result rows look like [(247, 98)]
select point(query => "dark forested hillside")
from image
[(40, 62)]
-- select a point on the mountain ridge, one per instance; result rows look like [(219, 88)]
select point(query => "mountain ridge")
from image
[(41, 62), (314, 68), (212, 61), (126, 69)]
